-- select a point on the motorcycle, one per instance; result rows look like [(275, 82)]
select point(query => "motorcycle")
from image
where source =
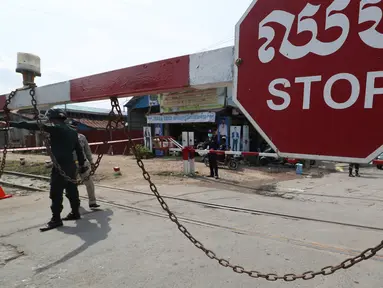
[(230, 161), (380, 157), (266, 160)]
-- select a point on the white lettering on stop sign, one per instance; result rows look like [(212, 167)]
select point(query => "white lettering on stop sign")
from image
[(307, 81)]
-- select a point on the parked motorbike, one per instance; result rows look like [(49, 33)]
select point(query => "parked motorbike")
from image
[(380, 157), (201, 145), (230, 161), (266, 160)]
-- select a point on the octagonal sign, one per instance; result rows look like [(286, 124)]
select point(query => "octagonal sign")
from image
[(309, 77)]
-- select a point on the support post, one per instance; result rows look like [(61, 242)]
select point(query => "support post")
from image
[(185, 157), (191, 162)]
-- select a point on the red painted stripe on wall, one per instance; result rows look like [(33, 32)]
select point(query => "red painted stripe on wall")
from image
[(165, 75)]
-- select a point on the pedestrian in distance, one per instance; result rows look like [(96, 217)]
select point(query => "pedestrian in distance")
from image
[(350, 168), (235, 137), (89, 184), (64, 141), (213, 145)]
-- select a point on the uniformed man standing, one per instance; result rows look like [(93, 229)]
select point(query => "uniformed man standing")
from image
[(89, 184), (64, 141), (213, 145)]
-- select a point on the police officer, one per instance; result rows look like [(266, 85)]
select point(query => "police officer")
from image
[(356, 170), (64, 141), (213, 145), (89, 184)]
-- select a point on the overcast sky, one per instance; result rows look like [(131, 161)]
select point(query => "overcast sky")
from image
[(75, 38)]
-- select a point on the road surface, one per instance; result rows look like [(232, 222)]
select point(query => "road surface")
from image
[(290, 227)]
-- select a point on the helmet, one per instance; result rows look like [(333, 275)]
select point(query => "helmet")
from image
[(56, 113)]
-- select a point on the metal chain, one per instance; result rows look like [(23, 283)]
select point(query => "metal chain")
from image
[(7, 118), (367, 254), (47, 141)]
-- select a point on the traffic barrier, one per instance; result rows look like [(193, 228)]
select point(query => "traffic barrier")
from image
[(3, 195), (167, 142), (185, 157), (188, 156), (117, 171), (221, 152), (191, 162), (90, 144)]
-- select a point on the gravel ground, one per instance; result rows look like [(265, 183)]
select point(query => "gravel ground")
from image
[(169, 171)]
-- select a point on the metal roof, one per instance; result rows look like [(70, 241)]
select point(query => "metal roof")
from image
[(98, 124), (83, 109)]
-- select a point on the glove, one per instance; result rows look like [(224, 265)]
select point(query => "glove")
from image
[(83, 169)]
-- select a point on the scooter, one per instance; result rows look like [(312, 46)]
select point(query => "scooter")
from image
[(266, 160), (230, 161)]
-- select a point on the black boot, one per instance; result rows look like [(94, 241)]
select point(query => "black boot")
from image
[(350, 173), (54, 223), (357, 174), (72, 216)]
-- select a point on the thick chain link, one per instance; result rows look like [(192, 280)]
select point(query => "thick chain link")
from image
[(46, 138), (7, 118), (367, 254)]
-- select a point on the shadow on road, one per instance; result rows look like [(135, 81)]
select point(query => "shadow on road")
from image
[(90, 232)]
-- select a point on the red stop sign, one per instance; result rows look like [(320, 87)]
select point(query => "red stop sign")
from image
[(309, 76)]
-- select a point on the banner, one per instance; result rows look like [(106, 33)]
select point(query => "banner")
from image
[(198, 117), (148, 137), (245, 139), (235, 138), (193, 100), (223, 130)]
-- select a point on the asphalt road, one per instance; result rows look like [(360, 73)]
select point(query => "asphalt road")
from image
[(292, 227)]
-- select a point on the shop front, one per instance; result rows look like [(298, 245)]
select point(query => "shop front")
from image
[(173, 124), (189, 111), (199, 111), (240, 128)]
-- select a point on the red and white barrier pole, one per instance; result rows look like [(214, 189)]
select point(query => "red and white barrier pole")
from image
[(221, 152), (185, 157), (191, 162)]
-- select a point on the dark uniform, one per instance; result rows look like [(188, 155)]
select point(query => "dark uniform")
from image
[(356, 170), (213, 145), (64, 141)]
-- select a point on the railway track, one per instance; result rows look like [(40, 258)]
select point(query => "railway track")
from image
[(205, 204), (296, 242)]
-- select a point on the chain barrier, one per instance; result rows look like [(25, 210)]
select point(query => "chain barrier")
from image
[(118, 118), (46, 138), (7, 118), (348, 263)]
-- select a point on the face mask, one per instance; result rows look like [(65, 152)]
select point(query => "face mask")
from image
[(210, 135)]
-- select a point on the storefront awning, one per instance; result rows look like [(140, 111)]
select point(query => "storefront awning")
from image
[(188, 117)]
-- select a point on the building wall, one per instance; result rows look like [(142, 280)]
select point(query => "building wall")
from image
[(18, 137), (102, 135), (137, 119)]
